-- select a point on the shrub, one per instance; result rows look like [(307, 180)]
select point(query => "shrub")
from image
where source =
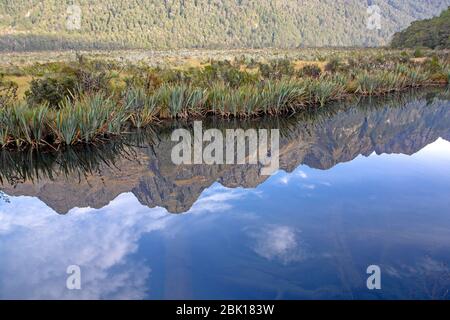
[(8, 92), (92, 82), (221, 72), (311, 70), (333, 65), (50, 90), (146, 79), (433, 65), (381, 82), (418, 53), (218, 99), (277, 69)]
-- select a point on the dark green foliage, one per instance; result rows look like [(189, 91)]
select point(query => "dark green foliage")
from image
[(112, 24), (277, 69), (216, 71), (333, 65), (50, 90), (433, 65), (58, 80), (91, 81), (431, 33), (311, 70), (418, 53), (224, 72)]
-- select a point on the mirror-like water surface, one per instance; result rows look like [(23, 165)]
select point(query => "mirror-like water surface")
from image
[(360, 184)]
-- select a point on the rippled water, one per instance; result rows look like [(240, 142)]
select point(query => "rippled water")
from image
[(361, 183)]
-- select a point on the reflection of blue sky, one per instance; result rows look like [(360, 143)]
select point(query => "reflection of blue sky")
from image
[(38, 245), (101, 242), (305, 234)]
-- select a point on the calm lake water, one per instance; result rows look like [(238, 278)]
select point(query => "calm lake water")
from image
[(360, 183)]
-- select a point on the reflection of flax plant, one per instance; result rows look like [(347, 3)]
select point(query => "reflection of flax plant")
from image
[(4, 197), (33, 165), (84, 160)]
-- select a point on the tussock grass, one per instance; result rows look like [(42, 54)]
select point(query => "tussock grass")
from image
[(87, 119), (21, 125), (141, 107)]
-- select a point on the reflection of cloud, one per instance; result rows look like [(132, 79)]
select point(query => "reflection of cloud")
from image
[(285, 179), (431, 277), (392, 272), (278, 243), (425, 265), (38, 245), (301, 174), (288, 177), (218, 198)]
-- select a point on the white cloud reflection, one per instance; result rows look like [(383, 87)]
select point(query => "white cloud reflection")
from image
[(37, 246), (286, 178), (217, 199), (278, 242)]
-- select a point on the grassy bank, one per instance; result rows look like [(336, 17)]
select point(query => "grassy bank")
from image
[(88, 101)]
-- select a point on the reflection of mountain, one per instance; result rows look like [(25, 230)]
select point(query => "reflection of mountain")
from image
[(319, 143)]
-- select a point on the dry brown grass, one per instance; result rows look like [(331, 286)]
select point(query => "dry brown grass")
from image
[(300, 64), (23, 83), (419, 60)]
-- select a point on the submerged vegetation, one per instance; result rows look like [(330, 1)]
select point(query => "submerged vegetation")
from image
[(90, 100)]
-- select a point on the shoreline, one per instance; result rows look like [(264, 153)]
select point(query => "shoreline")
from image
[(126, 126), (91, 101)]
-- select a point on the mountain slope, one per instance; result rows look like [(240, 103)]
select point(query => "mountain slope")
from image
[(34, 24), (431, 33)]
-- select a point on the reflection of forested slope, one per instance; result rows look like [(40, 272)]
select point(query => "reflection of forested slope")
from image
[(40, 25), (321, 142)]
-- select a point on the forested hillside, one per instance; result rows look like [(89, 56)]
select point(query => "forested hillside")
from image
[(431, 33), (157, 24)]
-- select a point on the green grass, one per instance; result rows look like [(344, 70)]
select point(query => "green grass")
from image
[(23, 125), (140, 106), (87, 119)]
